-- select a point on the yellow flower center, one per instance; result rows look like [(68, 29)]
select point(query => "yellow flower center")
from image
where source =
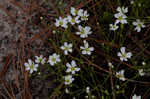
[(120, 76), (140, 25), (72, 69), (82, 31), (114, 26), (60, 22), (31, 66), (83, 17), (120, 18), (40, 59), (73, 20), (124, 55), (67, 80), (76, 11), (86, 49), (67, 48), (54, 59)]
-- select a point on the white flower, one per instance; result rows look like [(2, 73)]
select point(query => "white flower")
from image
[(74, 98), (136, 97), (121, 18), (39, 73), (113, 27), (131, 2), (72, 67), (73, 11), (83, 14), (143, 63), (110, 65), (73, 20), (40, 59), (53, 59), (120, 75), (93, 97), (67, 48), (138, 25), (80, 12), (61, 22), (68, 79), (122, 10), (31, 66), (141, 72), (54, 32), (139, 4), (87, 89), (86, 49), (123, 55), (84, 31), (117, 86), (86, 96), (66, 90)]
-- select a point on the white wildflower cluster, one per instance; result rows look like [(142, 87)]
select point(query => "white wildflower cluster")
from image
[(32, 66), (84, 31), (75, 18), (72, 69), (89, 95), (79, 13), (123, 57), (121, 18)]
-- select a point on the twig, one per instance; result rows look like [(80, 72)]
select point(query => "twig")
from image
[(8, 14), (8, 60)]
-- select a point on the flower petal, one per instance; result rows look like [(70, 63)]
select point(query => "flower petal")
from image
[(122, 49), (128, 55)]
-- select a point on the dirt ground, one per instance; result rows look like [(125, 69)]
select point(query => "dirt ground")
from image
[(12, 21)]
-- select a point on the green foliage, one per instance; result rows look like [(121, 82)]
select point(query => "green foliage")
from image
[(95, 71)]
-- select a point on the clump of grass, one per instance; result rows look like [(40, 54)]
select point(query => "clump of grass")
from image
[(101, 71), (100, 50)]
